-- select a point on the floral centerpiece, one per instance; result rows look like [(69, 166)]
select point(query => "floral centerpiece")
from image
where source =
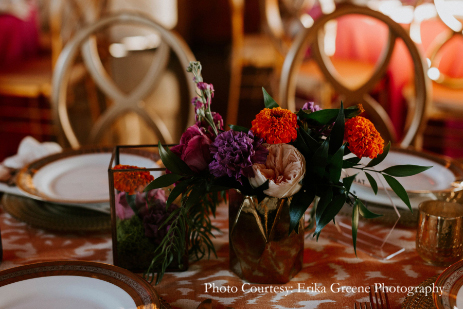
[(279, 166)]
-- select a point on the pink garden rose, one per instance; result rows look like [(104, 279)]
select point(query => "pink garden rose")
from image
[(284, 168), (194, 148)]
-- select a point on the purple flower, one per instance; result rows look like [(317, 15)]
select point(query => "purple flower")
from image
[(156, 216), (234, 153), (311, 106), (197, 103), (206, 86), (217, 120), (123, 209), (194, 148)]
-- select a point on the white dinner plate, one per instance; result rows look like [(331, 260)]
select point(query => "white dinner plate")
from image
[(449, 288), (74, 285), (439, 182), (78, 177)]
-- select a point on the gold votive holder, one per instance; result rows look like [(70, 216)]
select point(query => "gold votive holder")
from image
[(439, 238)]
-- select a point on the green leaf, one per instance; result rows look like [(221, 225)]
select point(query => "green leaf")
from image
[(309, 140), (405, 170), (268, 100), (327, 116), (330, 212), (380, 157), (325, 198), (320, 159), (300, 145), (172, 162), (373, 183), (337, 133), (162, 181), (355, 225), (335, 165), (347, 181), (299, 204), (238, 128), (399, 190), (365, 212), (179, 189), (195, 195), (351, 162)]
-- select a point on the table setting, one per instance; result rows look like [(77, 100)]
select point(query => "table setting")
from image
[(234, 218)]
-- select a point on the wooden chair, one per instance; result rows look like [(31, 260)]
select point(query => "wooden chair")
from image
[(31, 80), (313, 38), (248, 50), (123, 103)]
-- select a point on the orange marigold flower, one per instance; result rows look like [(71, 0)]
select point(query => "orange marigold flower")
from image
[(363, 139), (275, 125), (131, 182)]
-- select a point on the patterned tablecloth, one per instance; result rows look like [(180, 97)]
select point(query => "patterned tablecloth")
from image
[(332, 276)]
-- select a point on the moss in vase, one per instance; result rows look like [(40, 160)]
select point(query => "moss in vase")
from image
[(135, 251)]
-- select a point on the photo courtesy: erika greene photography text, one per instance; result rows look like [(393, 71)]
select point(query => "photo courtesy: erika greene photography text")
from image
[(316, 288)]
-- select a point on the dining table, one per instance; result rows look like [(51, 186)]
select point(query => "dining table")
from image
[(333, 276)]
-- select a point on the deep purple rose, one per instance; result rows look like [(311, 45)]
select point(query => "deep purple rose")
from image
[(141, 202), (194, 148), (234, 153), (156, 216)]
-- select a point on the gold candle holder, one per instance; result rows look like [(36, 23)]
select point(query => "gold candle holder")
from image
[(439, 238)]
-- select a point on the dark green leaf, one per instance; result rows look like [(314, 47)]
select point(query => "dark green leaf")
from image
[(365, 212), (348, 163), (325, 198), (195, 195), (347, 151), (172, 162), (330, 212), (299, 204), (238, 128), (163, 181), (335, 165), (399, 190), (179, 189), (327, 116), (309, 140), (268, 100), (373, 183), (320, 159), (347, 181), (337, 133), (355, 225), (300, 144), (405, 170), (380, 157)]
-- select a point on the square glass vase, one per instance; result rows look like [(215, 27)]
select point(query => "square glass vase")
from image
[(137, 216)]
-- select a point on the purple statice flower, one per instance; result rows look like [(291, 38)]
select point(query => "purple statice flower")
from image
[(156, 216), (311, 106), (140, 203), (234, 153)]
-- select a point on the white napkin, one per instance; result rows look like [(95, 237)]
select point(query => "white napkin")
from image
[(29, 150)]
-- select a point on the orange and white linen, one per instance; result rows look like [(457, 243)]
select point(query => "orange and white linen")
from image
[(332, 277)]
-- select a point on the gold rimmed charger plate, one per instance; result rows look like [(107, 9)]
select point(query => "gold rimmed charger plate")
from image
[(75, 284), (451, 283), (420, 300), (77, 177), (55, 217)]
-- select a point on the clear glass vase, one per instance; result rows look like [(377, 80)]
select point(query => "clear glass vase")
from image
[(137, 217), (261, 248)]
